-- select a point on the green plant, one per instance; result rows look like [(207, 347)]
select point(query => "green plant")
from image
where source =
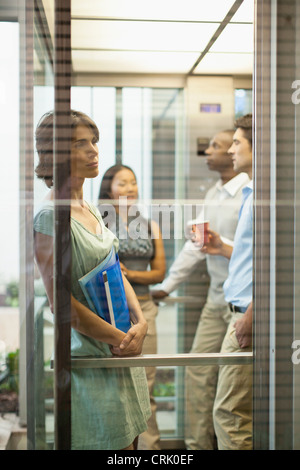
[(12, 362), (164, 389), (165, 383), (12, 294)]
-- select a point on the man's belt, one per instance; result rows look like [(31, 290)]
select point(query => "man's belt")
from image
[(236, 309)]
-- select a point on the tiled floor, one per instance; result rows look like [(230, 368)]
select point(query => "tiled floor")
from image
[(9, 426)]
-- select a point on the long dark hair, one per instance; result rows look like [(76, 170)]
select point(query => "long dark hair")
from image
[(105, 186)]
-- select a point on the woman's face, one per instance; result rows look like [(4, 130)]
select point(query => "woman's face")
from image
[(84, 153), (124, 186)]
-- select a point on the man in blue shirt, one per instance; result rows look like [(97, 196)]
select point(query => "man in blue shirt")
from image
[(221, 207), (233, 402)]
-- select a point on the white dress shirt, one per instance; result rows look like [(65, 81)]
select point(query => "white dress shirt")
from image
[(221, 208)]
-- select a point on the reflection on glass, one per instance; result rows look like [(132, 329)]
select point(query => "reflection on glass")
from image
[(242, 102), (43, 406), (9, 214)]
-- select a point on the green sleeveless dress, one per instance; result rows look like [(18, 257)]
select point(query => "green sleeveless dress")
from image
[(110, 407)]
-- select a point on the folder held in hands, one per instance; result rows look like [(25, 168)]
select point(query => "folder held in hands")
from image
[(104, 291)]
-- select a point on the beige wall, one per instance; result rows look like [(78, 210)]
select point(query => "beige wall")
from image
[(212, 90)]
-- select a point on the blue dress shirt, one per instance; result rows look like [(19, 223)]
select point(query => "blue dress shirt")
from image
[(238, 285)]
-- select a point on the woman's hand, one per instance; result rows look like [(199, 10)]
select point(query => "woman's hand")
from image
[(126, 272), (123, 269), (132, 343)]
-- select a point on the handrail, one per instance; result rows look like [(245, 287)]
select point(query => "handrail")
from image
[(186, 299), (157, 360)]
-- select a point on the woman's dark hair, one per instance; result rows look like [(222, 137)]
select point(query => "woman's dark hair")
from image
[(105, 186), (44, 141)]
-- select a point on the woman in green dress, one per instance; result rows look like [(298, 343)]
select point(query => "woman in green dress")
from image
[(110, 406)]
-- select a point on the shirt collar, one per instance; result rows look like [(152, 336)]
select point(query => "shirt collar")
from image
[(248, 188), (232, 186)]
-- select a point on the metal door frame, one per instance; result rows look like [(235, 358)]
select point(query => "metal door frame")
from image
[(63, 362), (273, 370)]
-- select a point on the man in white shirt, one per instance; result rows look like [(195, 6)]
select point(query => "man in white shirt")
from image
[(232, 412), (221, 208)]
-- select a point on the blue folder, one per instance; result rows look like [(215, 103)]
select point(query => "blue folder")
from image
[(104, 291)]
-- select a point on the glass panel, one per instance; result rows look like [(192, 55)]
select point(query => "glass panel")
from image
[(144, 128), (9, 211), (152, 136), (100, 104), (43, 102), (243, 102), (295, 346), (137, 136), (276, 220)]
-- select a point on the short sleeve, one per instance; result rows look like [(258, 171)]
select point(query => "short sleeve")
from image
[(43, 222)]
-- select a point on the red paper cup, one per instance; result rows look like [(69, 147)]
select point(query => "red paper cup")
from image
[(200, 230)]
